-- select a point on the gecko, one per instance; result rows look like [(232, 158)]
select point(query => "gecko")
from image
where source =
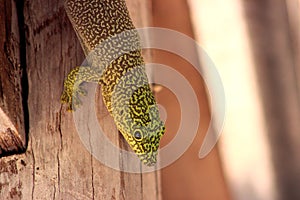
[(112, 46)]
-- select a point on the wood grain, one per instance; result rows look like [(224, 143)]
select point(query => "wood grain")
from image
[(12, 124), (56, 164)]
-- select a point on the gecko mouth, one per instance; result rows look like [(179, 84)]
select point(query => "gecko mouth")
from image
[(149, 158)]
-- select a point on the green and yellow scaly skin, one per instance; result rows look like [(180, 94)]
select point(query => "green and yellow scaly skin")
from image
[(110, 41)]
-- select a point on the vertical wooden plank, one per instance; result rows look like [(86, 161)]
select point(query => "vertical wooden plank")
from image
[(52, 134), (227, 44), (274, 55), (188, 177), (293, 11), (15, 171), (12, 124)]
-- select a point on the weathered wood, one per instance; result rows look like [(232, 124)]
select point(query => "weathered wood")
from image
[(12, 125), (56, 164)]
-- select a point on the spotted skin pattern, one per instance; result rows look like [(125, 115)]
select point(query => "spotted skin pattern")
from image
[(111, 44)]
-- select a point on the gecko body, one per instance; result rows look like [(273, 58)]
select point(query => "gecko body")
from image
[(111, 44)]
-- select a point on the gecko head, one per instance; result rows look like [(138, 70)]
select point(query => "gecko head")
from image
[(137, 118), (143, 133), (144, 141), (147, 143), (146, 127)]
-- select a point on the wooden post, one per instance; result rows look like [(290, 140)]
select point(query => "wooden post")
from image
[(56, 164), (276, 54), (189, 177)]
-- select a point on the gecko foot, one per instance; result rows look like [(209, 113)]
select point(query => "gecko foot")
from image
[(73, 90), (71, 97)]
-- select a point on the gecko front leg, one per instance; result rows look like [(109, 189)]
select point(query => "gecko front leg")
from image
[(73, 85)]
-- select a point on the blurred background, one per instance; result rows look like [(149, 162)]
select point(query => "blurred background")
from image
[(255, 45)]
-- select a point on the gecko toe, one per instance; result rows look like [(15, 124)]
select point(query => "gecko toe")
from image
[(71, 97)]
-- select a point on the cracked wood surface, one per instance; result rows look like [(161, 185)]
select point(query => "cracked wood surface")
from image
[(12, 125), (56, 165)]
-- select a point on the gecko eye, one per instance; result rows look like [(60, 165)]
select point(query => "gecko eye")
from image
[(137, 135)]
